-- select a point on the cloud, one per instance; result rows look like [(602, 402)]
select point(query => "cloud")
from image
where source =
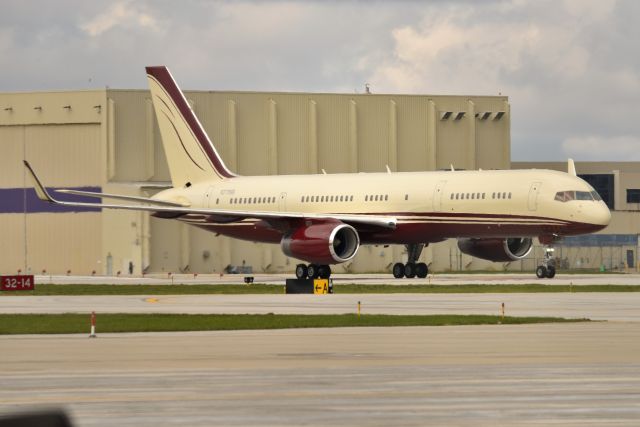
[(567, 67), (570, 68), (119, 14), (603, 147)]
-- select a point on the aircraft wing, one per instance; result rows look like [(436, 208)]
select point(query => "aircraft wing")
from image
[(120, 197), (216, 215)]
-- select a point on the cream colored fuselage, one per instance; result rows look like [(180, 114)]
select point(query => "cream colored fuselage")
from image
[(429, 206)]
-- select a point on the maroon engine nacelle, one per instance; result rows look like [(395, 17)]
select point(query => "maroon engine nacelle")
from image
[(322, 243), (497, 250)]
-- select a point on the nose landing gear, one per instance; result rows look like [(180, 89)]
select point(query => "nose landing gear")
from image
[(548, 267), (411, 269)]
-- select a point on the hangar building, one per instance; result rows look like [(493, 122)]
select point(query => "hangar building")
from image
[(108, 140)]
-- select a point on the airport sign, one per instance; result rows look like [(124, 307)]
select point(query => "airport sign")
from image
[(17, 283)]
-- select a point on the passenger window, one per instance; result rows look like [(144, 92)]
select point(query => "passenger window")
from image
[(376, 197), (473, 195), (509, 195), (493, 196), (498, 195), (386, 197), (406, 197), (483, 196), (351, 199)]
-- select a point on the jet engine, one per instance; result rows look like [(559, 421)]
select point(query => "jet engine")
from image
[(322, 243), (497, 250)]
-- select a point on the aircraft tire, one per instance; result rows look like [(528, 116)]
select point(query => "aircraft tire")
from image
[(313, 271), (410, 270), (551, 272), (541, 272), (398, 270), (422, 270), (324, 271), (301, 271)]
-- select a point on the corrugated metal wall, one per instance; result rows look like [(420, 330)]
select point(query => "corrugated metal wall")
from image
[(66, 155), (60, 133)]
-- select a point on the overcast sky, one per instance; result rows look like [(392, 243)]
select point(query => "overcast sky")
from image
[(571, 68)]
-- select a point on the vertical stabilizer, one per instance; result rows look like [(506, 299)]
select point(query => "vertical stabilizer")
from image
[(190, 154)]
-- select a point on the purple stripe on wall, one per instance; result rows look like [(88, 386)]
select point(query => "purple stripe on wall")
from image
[(21, 200)]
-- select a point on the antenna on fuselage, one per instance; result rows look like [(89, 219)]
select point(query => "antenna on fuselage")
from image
[(388, 169), (571, 168), (452, 169)]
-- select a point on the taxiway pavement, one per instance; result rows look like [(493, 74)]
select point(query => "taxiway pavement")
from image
[(516, 375), (363, 279), (620, 306)]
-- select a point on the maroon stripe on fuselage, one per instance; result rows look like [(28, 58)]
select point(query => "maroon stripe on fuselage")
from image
[(166, 81), (410, 232)]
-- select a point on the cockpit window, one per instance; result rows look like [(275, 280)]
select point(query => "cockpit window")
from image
[(583, 195), (566, 196), (596, 196)]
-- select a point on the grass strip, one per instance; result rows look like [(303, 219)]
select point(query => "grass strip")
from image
[(79, 323), (48, 289)]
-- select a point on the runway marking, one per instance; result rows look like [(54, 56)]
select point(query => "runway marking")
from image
[(152, 300)]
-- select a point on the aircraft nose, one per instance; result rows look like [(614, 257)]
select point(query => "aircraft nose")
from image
[(601, 216)]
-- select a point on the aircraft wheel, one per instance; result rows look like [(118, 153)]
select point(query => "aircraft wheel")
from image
[(551, 272), (324, 271), (301, 271), (422, 270), (541, 272), (410, 270), (313, 271), (398, 270)]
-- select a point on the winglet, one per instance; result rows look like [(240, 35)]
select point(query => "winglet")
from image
[(41, 191), (571, 168)]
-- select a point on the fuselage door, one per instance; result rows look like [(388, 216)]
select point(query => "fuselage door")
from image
[(533, 196), (282, 202), (437, 196)]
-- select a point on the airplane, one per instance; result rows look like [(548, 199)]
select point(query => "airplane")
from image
[(323, 219)]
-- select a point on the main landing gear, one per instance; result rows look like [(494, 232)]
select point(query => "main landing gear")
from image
[(313, 271), (411, 269), (548, 267)]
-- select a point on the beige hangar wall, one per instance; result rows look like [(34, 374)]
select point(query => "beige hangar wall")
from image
[(109, 140)]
